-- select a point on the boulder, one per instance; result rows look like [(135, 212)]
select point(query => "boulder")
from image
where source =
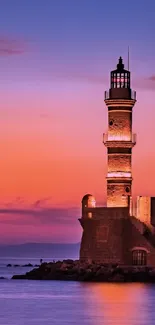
[(117, 278), (69, 270)]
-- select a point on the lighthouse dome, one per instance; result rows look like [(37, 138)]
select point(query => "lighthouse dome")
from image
[(88, 201)]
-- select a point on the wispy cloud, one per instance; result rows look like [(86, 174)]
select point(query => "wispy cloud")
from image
[(152, 78), (10, 46), (85, 77), (146, 83), (41, 202), (38, 213)]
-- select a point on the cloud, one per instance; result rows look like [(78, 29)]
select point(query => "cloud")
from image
[(152, 78), (41, 202), (147, 83), (34, 215), (85, 77), (38, 221), (95, 78), (11, 46)]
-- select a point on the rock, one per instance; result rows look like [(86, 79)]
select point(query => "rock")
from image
[(100, 271), (68, 261), (117, 278), (87, 276), (69, 270), (64, 266), (18, 277)]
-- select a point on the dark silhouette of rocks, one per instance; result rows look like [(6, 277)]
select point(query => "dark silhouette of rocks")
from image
[(25, 265), (70, 270)]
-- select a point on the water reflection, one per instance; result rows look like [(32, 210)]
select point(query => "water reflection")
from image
[(120, 304)]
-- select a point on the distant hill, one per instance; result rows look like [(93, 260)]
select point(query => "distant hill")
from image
[(41, 250)]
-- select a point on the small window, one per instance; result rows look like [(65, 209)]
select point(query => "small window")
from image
[(139, 257), (127, 189), (90, 215), (111, 123)]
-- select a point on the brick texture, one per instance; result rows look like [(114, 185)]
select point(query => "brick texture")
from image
[(111, 236), (119, 163), (120, 123), (117, 195)]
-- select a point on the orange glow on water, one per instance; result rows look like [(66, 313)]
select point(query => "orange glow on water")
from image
[(117, 303)]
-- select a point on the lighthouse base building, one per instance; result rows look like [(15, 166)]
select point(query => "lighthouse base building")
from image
[(119, 233), (112, 235)]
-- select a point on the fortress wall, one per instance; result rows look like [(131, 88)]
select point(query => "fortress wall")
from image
[(112, 240), (102, 237)]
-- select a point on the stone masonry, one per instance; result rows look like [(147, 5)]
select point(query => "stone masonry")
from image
[(113, 234)]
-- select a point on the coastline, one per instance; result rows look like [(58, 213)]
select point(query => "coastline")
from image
[(70, 270)]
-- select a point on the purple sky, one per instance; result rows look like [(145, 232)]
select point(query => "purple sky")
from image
[(55, 60)]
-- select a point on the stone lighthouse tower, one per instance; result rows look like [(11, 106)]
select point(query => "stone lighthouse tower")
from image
[(119, 139), (111, 234)]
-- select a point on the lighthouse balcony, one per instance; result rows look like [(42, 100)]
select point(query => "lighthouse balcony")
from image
[(119, 141), (120, 93)]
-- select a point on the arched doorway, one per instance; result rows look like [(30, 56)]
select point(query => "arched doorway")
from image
[(139, 257)]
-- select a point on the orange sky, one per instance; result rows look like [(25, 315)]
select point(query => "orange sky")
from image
[(52, 152), (55, 63)]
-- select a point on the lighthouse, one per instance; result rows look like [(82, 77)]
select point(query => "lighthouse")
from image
[(119, 139), (113, 234)]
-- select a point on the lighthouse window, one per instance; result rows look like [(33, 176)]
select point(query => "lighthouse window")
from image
[(89, 215), (127, 189), (139, 257), (111, 123)]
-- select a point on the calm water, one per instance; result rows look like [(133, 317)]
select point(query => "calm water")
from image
[(8, 272), (56, 303)]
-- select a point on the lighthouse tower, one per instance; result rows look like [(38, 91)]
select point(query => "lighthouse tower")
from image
[(119, 139)]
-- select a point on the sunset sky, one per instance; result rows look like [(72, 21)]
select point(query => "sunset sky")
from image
[(55, 61)]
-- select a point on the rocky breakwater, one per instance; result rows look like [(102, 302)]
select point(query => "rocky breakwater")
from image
[(69, 270)]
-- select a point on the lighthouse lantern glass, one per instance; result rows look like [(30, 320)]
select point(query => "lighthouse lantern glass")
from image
[(120, 78)]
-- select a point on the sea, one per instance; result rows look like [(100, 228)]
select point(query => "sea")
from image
[(27, 302)]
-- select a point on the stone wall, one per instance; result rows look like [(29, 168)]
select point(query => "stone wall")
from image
[(110, 237), (133, 239), (119, 162), (120, 123), (102, 241), (102, 235), (117, 194), (100, 213)]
